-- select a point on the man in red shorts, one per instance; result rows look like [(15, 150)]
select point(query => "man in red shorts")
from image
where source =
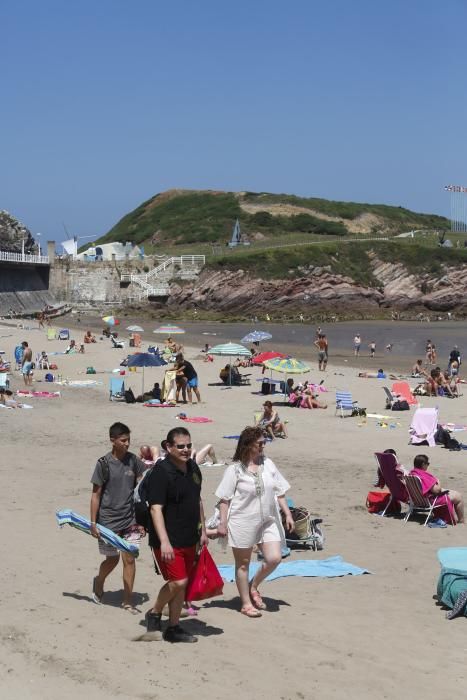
[(175, 528)]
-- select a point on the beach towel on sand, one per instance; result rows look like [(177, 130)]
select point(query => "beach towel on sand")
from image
[(324, 568), (69, 517), (39, 394), (195, 419)]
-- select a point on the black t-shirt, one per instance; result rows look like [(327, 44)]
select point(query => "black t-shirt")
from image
[(179, 493), (188, 370)]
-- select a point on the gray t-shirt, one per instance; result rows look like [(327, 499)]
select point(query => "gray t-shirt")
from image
[(116, 510)]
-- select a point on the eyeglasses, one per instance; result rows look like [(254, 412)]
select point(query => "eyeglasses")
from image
[(261, 443), (188, 446)]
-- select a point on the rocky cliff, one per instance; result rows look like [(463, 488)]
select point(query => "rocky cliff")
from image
[(12, 233), (322, 290)]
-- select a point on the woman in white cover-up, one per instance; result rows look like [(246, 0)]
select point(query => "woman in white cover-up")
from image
[(250, 492)]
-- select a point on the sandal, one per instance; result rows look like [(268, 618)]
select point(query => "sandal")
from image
[(250, 611), (130, 608), (258, 602), (96, 598)]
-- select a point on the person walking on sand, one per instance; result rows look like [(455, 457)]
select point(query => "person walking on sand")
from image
[(26, 364), (113, 482), (357, 341), (372, 348), (322, 344), (251, 493), (176, 526)]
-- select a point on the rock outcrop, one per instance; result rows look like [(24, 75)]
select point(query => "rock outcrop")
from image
[(12, 234), (320, 290)]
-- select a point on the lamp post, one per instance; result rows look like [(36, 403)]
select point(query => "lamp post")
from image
[(39, 243)]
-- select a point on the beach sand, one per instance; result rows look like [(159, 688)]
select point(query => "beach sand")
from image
[(371, 636)]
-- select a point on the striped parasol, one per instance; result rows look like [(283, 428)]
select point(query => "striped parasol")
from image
[(169, 330), (69, 517), (230, 349), (287, 365)]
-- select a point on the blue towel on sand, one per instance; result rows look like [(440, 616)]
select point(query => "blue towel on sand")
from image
[(325, 568), (453, 558), (231, 437)]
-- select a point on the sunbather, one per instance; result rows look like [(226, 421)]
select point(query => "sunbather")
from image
[(270, 422), (432, 488), (89, 338)]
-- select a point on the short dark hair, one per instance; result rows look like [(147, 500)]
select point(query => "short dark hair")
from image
[(420, 461), (176, 431), (118, 429), (24, 344), (390, 452)]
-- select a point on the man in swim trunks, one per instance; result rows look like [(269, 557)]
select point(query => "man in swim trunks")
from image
[(190, 375), (26, 364), (322, 345)]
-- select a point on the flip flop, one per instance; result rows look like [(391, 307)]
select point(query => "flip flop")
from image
[(130, 608), (250, 611), (258, 602), (96, 598)]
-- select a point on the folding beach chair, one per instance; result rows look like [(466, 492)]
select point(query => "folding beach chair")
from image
[(423, 427), (51, 333), (387, 464), (64, 334), (117, 389), (117, 343), (344, 403), (418, 503), (4, 380), (390, 398), (402, 390)]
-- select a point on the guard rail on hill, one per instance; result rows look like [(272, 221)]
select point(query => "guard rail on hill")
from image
[(154, 283), (6, 256)]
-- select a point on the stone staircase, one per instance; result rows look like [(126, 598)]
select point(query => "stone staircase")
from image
[(156, 282)]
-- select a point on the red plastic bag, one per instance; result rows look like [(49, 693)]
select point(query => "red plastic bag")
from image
[(205, 580)]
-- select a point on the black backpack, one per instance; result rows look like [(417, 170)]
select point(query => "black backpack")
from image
[(142, 514)]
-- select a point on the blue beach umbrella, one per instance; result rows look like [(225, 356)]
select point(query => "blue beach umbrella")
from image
[(256, 337), (145, 359)]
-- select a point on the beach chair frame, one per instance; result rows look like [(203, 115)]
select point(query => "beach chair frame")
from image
[(387, 464), (344, 402), (418, 503)]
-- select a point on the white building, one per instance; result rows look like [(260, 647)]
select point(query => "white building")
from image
[(105, 251)]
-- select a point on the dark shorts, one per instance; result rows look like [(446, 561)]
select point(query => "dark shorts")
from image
[(180, 567)]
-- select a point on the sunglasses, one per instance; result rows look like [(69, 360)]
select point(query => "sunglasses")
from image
[(261, 443), (188, 446)]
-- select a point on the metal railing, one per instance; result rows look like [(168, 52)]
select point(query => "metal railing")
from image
[(6, 256)]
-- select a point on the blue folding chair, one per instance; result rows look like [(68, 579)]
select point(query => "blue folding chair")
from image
[(117, 389), (344, 403)]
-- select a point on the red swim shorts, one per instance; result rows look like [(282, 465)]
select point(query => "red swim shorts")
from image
[(180, 566)]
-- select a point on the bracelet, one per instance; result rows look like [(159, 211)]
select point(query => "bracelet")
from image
[(93, 522)]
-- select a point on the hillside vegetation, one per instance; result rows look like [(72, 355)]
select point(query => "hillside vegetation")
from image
[(183, 218), (349, 260)]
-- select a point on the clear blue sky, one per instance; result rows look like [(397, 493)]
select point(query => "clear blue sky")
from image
[(107, 102)]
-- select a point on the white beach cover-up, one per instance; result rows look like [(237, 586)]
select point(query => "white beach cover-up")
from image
[(253, 518)]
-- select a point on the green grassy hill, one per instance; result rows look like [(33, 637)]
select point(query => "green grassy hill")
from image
[(179, 220)]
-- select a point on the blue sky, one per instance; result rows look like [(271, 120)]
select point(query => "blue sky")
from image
[(107, 102)]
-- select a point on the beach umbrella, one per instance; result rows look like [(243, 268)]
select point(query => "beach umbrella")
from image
[(267, 355), (230, 350), (145, 359), (287, 365), (111, 320), (135, 329), (256, 337), (169, 330)]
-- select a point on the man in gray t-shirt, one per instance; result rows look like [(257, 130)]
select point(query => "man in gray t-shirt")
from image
[(114, 479)]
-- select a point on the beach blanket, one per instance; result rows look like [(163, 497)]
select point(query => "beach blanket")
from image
[(150, 404), (69, 517), (195, 419), (11, 408), (39, 394), (82, 384), (231, 437), (453, 427), (323, 568)]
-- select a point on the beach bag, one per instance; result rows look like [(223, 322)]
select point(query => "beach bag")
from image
[(90, 370), (401, 405), (265, 388), (53, 366), (358, 411), (49, 377), (129, 396), (140, 498), (205, 580), (376, 502)]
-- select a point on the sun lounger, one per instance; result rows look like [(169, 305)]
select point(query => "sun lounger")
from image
[(423, 427), (402, 389), (344, 402), (422, 504), (117, 389), (387, 464)]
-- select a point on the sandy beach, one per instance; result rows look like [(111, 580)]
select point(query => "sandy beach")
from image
[(372, 636)]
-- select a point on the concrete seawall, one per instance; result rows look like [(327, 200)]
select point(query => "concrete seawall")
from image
[(24, 288)]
